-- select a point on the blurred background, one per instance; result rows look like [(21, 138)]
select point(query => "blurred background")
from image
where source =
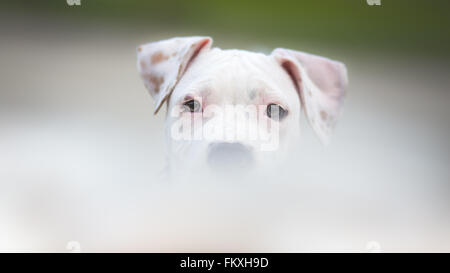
[(81, 151)]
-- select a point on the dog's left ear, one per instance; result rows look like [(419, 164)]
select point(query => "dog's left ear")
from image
[(162, 64), (321, 84)]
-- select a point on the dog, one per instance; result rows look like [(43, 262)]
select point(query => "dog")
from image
[(210, 93)]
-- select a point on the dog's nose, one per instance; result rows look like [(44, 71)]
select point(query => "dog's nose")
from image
[(225, 156)]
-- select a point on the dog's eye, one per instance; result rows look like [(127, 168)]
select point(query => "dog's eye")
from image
[(192, 106), (275, 111)]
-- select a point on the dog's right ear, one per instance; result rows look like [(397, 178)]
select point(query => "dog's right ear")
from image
[(162, 64)]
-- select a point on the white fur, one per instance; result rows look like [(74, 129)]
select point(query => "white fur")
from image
[(188, 67)]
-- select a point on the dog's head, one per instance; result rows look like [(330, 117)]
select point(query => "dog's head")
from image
[(234, 107)]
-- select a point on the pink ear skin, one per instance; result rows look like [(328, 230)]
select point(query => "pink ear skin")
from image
[(321, 84), (161, 64)]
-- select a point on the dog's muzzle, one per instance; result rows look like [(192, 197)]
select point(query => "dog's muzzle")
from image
[(223, 156)]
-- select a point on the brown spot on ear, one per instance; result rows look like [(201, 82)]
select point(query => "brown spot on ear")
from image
[(156, 81), (158, 57), (140, 49), (143, 64), (323, 115)]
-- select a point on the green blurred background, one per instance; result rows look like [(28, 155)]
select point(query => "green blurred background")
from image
[(409, 26)]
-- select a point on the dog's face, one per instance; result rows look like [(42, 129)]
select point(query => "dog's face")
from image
[(238, 109)]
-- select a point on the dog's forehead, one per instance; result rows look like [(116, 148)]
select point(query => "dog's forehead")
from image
[(233, 71)]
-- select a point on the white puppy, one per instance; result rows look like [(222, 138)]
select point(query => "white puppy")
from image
[(234, 108)]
